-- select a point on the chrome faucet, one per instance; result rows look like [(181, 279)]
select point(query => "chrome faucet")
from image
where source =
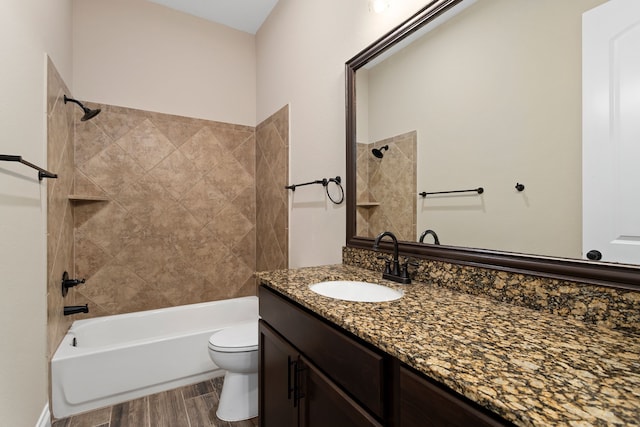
[(436, 241), (392, 269)]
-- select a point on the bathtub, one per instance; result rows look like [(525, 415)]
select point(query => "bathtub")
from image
[(112, 359)]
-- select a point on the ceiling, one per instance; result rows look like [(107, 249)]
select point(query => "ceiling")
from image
[(243, 15)]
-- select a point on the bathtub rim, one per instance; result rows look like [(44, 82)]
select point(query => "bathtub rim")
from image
[(65, 348), (61, 408)]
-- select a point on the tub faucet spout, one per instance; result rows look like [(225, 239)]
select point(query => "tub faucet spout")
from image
[(75, 309)]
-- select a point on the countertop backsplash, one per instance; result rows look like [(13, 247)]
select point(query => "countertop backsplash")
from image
[(607, 307)]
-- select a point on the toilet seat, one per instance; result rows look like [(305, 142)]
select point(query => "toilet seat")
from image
[(236, 339)]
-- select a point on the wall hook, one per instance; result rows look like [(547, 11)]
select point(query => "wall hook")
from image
[(519, 187)]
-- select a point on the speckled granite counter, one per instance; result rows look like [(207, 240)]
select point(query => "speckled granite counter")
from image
[(532, 368)]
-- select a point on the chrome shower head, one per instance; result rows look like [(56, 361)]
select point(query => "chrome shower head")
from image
[(88, 112), (379, 152)]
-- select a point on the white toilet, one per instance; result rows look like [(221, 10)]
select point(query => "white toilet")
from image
[(235, 349)]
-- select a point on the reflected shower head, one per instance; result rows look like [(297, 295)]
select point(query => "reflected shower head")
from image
[(88, 112), (379, 152)]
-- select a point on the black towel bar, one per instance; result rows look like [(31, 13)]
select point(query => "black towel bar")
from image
[(42, 173), (325, 183), (478, 190)]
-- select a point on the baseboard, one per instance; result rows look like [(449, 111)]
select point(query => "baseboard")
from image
[(45, 417)]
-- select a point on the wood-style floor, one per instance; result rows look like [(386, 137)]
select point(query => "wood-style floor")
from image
[(189, 406)]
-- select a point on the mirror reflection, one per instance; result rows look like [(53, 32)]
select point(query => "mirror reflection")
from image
[(489, 97)]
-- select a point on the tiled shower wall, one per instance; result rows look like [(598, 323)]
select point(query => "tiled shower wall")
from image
[(272, 199), (387, 186), (178, 225), (159, 210), (59, 209)]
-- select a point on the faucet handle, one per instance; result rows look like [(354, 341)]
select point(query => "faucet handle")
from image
[(409, 261), (387, 263), (405, 266)]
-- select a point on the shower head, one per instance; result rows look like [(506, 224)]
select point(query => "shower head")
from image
[(379, 152), (88, 112)]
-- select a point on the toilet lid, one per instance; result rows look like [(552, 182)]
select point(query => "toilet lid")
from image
[(234, 339)]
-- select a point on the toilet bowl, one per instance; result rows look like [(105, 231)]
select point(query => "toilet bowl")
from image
[(235, 349)]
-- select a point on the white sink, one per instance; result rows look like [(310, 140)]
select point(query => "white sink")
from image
[(356, 291)]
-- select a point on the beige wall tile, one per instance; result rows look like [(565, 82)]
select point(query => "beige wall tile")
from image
[(60, 214), (390, 181), (146, 145), (179, 225), (272, 199)]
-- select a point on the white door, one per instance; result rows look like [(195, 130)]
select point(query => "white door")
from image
[(611, 131)]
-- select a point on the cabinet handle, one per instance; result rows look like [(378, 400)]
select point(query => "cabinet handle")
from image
[(291, 364), (298, 392)]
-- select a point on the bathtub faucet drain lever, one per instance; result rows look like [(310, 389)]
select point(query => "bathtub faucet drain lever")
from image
[(69, 283), (75, 309)]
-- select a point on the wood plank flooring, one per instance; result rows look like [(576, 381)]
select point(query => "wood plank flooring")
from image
[(189, 406)]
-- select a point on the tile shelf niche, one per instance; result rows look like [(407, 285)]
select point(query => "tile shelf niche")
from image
[(87, 198), (367, 204)]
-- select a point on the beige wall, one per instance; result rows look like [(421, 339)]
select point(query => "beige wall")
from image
[(28, 30), (138, 54), (495, 97), (301, 63)]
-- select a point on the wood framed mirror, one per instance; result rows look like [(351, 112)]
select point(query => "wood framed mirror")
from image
[(559, 267)]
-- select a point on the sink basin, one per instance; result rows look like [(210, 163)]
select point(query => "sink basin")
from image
[(356, 291)]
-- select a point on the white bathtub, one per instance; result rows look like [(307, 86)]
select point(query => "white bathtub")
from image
[(123, 357)]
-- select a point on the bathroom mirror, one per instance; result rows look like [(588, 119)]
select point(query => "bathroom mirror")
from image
[(466, 145)]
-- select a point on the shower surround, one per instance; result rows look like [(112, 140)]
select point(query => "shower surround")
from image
[(178, 225), (156, 210), (386, 187)]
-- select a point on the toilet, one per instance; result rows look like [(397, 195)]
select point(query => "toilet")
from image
[(235, 349)]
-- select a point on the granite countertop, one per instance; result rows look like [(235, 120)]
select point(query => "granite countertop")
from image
[(531, 368)]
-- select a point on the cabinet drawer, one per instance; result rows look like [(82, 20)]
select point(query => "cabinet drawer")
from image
[(423, 403), (351, 365)]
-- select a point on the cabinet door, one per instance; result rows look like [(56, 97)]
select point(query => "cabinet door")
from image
[(351, 365), (322, 403), (425, 404), (276, 380)]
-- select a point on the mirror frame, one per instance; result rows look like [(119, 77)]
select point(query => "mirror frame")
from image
[(622, 276)]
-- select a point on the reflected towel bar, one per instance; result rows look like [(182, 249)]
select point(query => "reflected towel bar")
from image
[(323, 181), (41, 172), (478, 190)]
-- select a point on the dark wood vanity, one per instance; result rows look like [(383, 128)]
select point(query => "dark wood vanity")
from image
[(313, 373)]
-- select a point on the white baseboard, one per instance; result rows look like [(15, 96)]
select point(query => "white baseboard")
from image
[(45, 417)]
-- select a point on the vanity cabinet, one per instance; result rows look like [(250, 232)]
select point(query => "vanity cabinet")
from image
[(294, 392), (315, 374), (311, 374)]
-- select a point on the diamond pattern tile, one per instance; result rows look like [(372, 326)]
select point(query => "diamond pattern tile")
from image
[(179, 225), (272, 199), (191, 206), (146, 145), (378, 180)]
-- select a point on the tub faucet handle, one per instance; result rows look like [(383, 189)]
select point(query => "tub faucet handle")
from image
[(69, 283)]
